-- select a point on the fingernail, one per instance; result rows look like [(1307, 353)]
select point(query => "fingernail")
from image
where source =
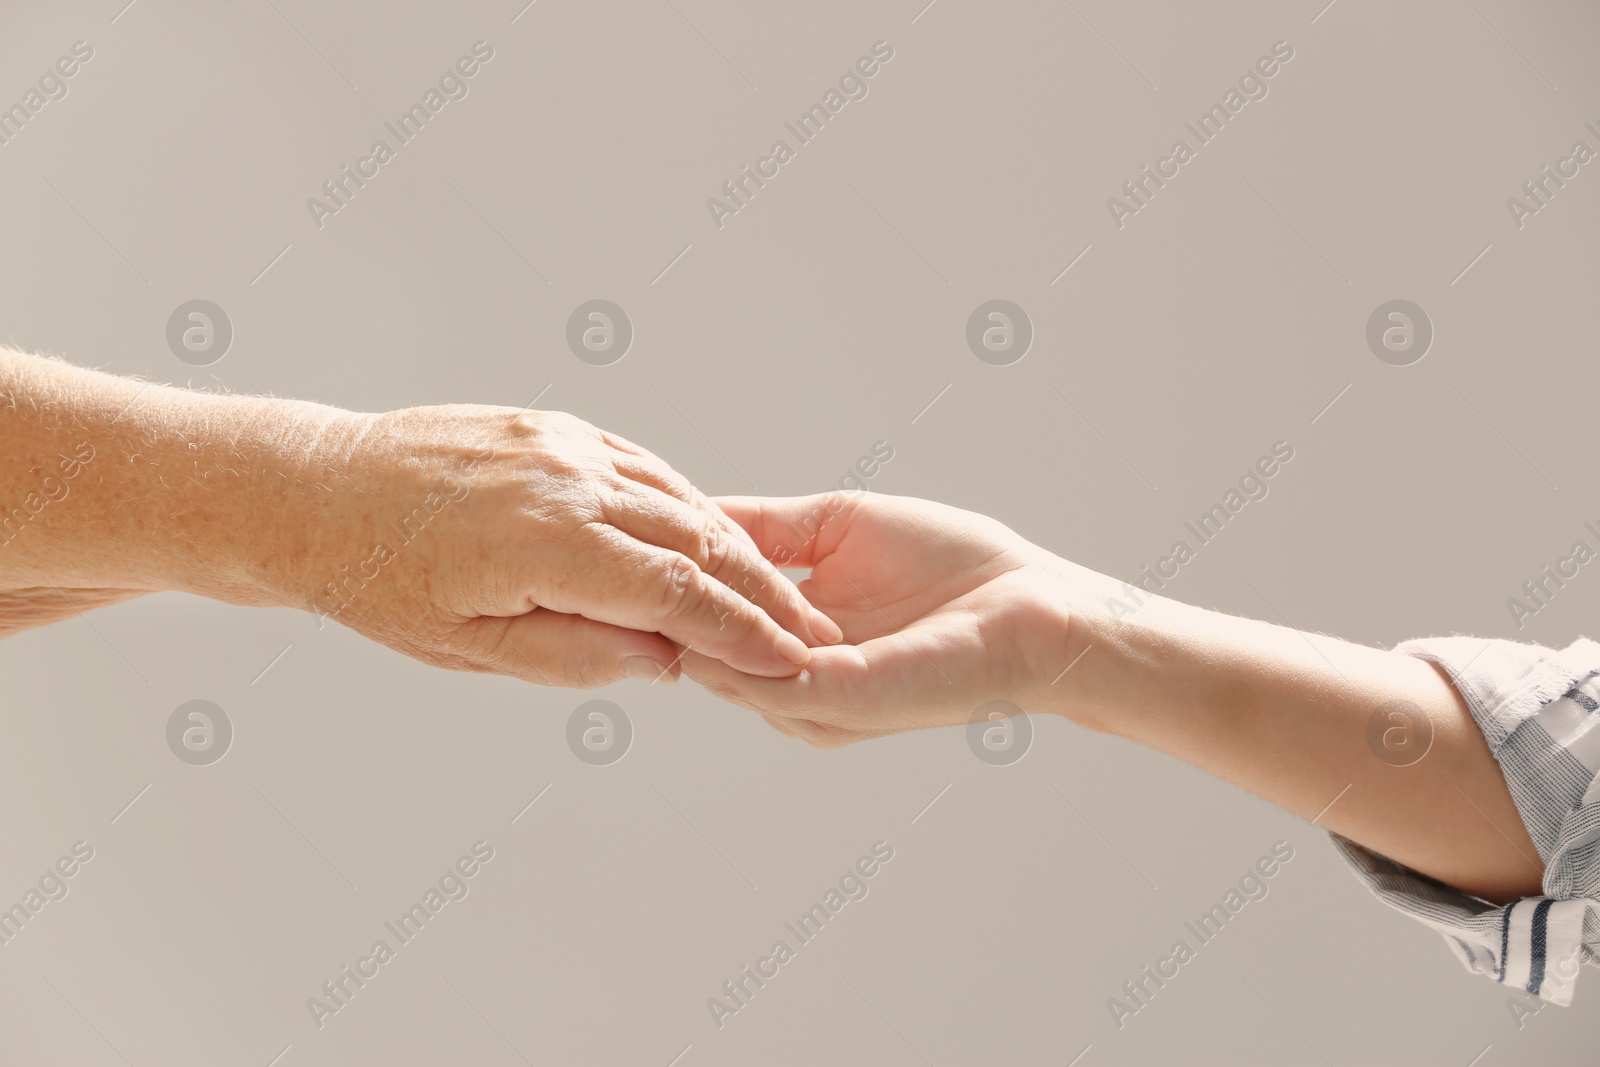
[(826, 630), (793, 649), (646, 669)]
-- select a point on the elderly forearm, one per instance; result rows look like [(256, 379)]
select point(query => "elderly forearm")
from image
[(467, 536), (120, 487)]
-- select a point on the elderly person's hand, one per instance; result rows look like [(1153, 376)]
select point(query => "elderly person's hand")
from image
[(478, 538), (534, 544)]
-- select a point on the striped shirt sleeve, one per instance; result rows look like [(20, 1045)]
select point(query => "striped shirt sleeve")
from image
[(1539, 709)]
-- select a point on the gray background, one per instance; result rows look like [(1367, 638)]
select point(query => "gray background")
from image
[(772, 354)]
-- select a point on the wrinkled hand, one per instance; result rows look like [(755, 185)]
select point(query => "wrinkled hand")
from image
[(942, 610), (535, 545)]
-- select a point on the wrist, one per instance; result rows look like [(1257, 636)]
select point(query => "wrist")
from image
[(293, 500), (226, 491), (1076, 670), (1176, 678), (1139, 657)]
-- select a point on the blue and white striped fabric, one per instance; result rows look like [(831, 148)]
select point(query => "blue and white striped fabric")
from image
[(1539, 709)]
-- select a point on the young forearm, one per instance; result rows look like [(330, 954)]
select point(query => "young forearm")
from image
[(1288, 716), (946, 611)]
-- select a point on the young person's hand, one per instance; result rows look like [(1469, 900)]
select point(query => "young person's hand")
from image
[(942, 610), (945, 610)]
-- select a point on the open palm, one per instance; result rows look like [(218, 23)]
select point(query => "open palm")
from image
[(942, 610)]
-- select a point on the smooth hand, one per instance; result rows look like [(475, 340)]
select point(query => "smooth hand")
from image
[(942, 610)]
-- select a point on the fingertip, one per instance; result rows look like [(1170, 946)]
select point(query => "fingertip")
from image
[(825, 629), (793, 649)]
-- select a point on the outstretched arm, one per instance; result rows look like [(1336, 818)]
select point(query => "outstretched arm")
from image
[(944, 610), (478, 538)]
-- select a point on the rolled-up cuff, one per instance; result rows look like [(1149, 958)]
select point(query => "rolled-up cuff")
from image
[(1539, 710)]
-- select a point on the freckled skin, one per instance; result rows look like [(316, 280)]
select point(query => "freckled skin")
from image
[(527, 543)]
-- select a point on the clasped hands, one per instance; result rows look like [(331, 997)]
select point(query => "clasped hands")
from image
[(568, 556), (527, 543), (533, 544)]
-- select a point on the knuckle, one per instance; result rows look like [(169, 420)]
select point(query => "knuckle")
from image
[(752, 586), (665, 478), (525, 424), (683, 590), (716, 550), (683, 489)]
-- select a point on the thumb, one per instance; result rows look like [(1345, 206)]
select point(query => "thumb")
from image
[(552, 648)]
